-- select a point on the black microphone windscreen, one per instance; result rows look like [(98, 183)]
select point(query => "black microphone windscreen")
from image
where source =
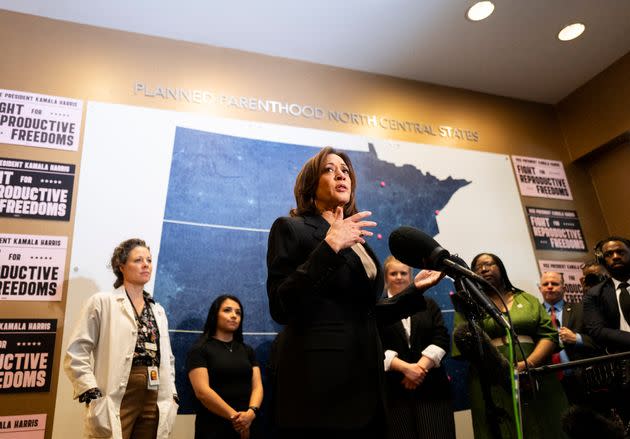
[(411, 246)]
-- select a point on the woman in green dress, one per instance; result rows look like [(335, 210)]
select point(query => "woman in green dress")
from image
[(490, 391)]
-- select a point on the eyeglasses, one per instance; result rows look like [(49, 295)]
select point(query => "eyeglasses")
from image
[(484, 266)]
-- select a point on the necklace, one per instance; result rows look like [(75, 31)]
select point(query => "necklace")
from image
[(227, 345)]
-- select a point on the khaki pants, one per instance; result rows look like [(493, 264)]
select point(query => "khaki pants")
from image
[(138, 409)]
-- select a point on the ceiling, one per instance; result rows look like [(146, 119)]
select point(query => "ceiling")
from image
[(513, 53)]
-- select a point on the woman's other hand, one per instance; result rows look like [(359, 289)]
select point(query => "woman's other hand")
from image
[(425, 279)]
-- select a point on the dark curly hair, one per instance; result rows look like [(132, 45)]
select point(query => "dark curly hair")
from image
[(308, 179), (120, 256), (210, 328)]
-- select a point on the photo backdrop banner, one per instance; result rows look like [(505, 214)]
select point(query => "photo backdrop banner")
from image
[(203, 192)]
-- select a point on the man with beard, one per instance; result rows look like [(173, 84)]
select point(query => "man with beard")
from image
[(607, 320), (607, 304)]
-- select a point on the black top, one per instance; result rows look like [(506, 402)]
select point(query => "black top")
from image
[(230, 372)]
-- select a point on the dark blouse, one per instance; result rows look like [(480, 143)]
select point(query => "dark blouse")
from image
[(148, 332)]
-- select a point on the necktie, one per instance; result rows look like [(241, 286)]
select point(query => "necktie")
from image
[(555, 358), (554, 319), (624, 300)]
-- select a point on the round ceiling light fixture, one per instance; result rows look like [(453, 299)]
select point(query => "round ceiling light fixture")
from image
[(571, 32), (480, 11)]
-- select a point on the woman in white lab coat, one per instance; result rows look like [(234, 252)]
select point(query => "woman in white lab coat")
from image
[(119, 359)]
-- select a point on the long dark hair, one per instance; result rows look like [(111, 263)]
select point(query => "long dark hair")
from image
[(210, 328), (504, 276), (308, 179), (120, 256)]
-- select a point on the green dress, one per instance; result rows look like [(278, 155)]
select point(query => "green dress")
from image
[(542, 413)]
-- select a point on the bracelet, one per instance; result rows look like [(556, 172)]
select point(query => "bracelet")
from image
[(254, 409)]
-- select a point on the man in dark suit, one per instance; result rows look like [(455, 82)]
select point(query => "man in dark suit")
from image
[(567, 318), (607, 305), (607, 311)]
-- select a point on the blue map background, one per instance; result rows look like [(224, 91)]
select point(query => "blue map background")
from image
[(224, 193)]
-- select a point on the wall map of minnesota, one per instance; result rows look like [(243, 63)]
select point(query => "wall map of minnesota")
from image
[(225, 192)]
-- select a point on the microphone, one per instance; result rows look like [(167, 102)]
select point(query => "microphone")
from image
[(417, 249)]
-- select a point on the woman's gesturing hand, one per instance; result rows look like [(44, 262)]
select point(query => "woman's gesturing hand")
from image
[(425, 279), (345, 232)]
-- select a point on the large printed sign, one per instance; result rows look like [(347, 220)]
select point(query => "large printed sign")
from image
[(32, 267), (541, 178), (43, 121), (38, 190), (556, 229), (27, 347), (23, 426), (571, 273)]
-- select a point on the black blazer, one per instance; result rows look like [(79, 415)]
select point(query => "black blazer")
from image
[(328, 360), (427, 327), (572, 318), (601, 318)]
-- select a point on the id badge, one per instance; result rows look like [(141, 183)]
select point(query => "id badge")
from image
[(150, 346), (153, 382)]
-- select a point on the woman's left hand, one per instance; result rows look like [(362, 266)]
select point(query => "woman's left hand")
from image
[(425, 279), (242, 420)]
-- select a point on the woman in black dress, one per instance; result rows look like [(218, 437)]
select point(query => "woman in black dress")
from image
[(419, 397), (224, 375), (323, 283)]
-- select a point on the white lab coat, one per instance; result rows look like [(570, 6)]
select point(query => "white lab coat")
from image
[(100, 354)]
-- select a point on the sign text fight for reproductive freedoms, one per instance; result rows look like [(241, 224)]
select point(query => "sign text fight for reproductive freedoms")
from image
[(32, 267), (39, 190), (43, 121), (556, 229), (26, 354), (541, 178)]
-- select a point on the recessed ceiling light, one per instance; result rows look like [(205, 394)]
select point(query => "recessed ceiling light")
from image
[(480, 10), (571, 32)]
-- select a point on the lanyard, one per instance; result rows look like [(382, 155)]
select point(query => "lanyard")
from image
[(134, 308)]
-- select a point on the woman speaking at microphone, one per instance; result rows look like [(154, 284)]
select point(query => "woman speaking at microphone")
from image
[(324, 283)]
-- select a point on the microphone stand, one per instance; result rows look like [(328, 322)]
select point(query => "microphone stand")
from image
[(471, 314), (548, 368), (516, 393)]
